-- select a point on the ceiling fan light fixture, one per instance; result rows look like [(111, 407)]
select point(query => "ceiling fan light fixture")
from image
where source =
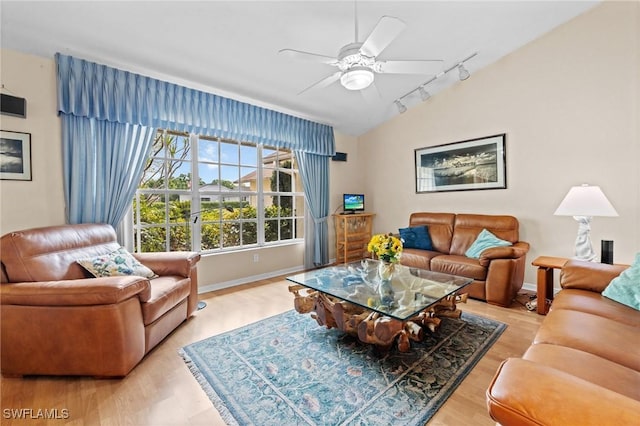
[(357, 78), (463, 73)]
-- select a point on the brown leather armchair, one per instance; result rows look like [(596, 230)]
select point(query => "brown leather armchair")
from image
[(499, 272), (56, 319)]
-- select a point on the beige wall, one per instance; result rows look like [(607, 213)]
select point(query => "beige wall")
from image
[(39, 202), (569, 104), (346, 178)]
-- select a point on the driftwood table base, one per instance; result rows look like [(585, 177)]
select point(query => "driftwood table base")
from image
[(369, 326)]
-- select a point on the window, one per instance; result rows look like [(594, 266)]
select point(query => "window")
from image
[(209, 194)]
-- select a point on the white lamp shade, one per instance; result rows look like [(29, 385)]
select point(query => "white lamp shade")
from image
[(585, 200)]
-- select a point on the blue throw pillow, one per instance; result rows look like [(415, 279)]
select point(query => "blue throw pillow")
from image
[(416, 237), (625, 288), (484, 241)]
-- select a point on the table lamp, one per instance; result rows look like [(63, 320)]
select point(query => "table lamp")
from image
[(583, 202)]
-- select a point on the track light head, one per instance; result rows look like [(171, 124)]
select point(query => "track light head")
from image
[(401, 107), (424, 95), (464, 74)]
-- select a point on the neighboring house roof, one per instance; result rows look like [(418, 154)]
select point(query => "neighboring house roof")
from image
[(266, 173), (217, 187)]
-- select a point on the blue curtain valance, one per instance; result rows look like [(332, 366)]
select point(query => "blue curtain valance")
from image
[(87, 89)]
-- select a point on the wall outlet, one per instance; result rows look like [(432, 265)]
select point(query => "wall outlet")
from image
[(256, 257)]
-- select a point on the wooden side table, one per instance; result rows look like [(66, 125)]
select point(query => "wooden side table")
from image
[(546, 265), (353, 232)]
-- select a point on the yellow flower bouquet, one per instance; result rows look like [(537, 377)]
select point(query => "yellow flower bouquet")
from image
[(386, 247)]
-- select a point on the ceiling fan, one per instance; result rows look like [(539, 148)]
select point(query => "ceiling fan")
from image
[(358, 62)]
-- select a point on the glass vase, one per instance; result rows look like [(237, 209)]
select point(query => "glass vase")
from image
[(385, 290)]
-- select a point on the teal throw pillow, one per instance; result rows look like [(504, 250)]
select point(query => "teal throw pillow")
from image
[(119, 262), (416, 237), (484, 241), (625, 288)]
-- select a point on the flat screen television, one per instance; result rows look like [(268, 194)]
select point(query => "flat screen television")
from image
[(352, 203)]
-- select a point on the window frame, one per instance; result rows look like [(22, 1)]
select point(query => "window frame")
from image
[(195, 220)]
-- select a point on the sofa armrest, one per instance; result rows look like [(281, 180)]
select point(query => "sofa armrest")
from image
[(82, 292), (515, 251), (528, 393), (170, 263), (592, 276)]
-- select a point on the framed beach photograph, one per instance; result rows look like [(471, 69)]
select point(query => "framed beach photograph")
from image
[(15, 155), (462, 166)]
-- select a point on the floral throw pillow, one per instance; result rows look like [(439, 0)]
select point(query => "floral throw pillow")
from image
[(119, 262)]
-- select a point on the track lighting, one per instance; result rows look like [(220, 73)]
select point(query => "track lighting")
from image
[(463, 74), (424, 95), (462, 71)]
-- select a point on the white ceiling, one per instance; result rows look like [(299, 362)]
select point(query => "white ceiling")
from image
[(231, 47)]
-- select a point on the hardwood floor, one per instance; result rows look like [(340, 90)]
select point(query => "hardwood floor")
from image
[(162, 391)]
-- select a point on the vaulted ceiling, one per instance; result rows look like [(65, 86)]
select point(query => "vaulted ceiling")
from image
[(231, 47)]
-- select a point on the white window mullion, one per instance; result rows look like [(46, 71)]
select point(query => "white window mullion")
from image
[(260, 197), (196, 207), (138, 225), (167, 210)]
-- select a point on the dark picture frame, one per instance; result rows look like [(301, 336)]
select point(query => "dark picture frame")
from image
[(15, 155), (462, 166)]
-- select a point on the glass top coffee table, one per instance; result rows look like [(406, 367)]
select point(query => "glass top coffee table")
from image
[(354, 298)]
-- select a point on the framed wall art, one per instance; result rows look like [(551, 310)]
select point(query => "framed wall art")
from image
[(15, 155), (462, 166)]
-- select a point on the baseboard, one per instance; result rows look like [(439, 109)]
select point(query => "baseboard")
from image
[(534, 288), (246, 280), (530, 287)]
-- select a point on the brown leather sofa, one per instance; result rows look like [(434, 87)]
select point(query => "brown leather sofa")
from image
[(583, 367), (57, 319), (498, 273)]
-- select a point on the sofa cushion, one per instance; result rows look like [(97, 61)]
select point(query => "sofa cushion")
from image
[(468, 226), (625, 288), (459, 265), (50, 253), (117, 263), (417, 258), (587, 366), (416, 237), (166, 293), (440, 228), (590, 333), (594, 303), (529, 393), (580, 274)]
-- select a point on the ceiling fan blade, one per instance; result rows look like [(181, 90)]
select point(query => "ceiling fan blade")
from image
[(308, 56), (410, 67), (371, 94), (324, 82), (385, 31)]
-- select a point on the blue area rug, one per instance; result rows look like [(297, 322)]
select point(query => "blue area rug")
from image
[(287, 370)]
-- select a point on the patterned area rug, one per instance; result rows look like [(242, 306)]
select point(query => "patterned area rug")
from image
[(287, 370)]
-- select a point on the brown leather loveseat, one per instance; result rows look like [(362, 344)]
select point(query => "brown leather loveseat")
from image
[(583, 367), (57, 319), (498, 273)]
